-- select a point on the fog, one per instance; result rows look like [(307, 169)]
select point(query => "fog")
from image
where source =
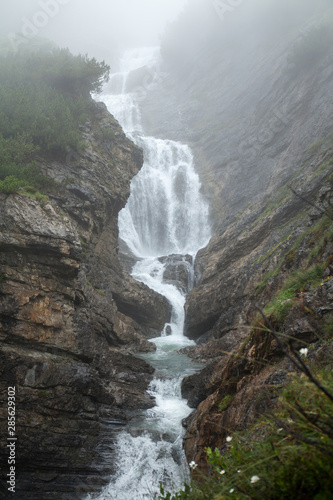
[(96, 27), (103, 28)]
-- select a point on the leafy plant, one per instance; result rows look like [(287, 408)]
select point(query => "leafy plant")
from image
[(45, 96), (293, 459)]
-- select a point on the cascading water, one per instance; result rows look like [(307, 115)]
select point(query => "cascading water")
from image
[(165, 215)]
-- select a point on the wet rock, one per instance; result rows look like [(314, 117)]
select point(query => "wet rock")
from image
[(126, 257), (139, 80), (65, 343), (147, 308), (168, 330), (179, 271)]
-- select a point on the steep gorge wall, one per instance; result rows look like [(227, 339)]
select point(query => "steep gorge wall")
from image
[(258, 125), (70, 318), (247, 112)]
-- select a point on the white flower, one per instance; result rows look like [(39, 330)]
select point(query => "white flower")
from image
[(229, 438), (232, 490), (222, 472), (304, 351), (281, 429), (193, 465), (239, 471), (255, 479)]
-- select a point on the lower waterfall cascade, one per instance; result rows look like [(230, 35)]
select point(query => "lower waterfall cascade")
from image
[(165, 216)]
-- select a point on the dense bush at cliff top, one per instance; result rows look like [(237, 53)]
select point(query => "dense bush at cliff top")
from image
[(46, 96), (43, 98)]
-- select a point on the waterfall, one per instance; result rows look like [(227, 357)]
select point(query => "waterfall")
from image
[(166, 215)]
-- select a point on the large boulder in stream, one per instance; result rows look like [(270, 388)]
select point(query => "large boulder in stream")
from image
[(179, 271)]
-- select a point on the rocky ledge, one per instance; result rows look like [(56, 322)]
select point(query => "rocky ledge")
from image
[(70, 319), (241, 298)]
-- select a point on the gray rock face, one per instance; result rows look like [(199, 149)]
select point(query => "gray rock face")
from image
[(256, 125), (70, 319), (251, 121), (247, 116), (179, 271)]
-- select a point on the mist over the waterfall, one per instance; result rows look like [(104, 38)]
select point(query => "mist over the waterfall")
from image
[(104, 29), (166, 249), (101, 28)]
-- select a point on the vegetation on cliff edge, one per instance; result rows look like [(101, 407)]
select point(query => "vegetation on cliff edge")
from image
[(288, 454), (285, 455), (44, 97)]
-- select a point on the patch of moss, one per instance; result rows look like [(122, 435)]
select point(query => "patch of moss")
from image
[(273, 250), (36, 195), (285, 299), (319, 236), (225, 402), (260, 286)]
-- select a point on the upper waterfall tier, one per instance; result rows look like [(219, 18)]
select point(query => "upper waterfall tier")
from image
[(166, 212)]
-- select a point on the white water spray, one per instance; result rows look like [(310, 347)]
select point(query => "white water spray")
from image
[(165, 214)]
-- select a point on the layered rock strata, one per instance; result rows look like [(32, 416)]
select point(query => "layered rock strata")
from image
[(241, 273), (260, 125), (70, 318)]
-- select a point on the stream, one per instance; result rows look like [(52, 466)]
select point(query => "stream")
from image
[(166, 215)]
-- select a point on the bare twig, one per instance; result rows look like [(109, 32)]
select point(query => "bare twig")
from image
[(300, 437), (316, 423), (320, 210), (295, 359)]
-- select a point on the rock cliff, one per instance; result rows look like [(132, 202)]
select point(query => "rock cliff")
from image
[(70, 318), (260, 124), (245, 367)]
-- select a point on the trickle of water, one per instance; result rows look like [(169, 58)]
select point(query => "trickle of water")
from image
[(165, 214)]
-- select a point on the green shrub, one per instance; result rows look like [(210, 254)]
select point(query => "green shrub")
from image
[(45, 96), (15, 173), (10, 185), (292, 458)]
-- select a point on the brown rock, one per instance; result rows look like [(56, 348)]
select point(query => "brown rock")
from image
[(65, 344)]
